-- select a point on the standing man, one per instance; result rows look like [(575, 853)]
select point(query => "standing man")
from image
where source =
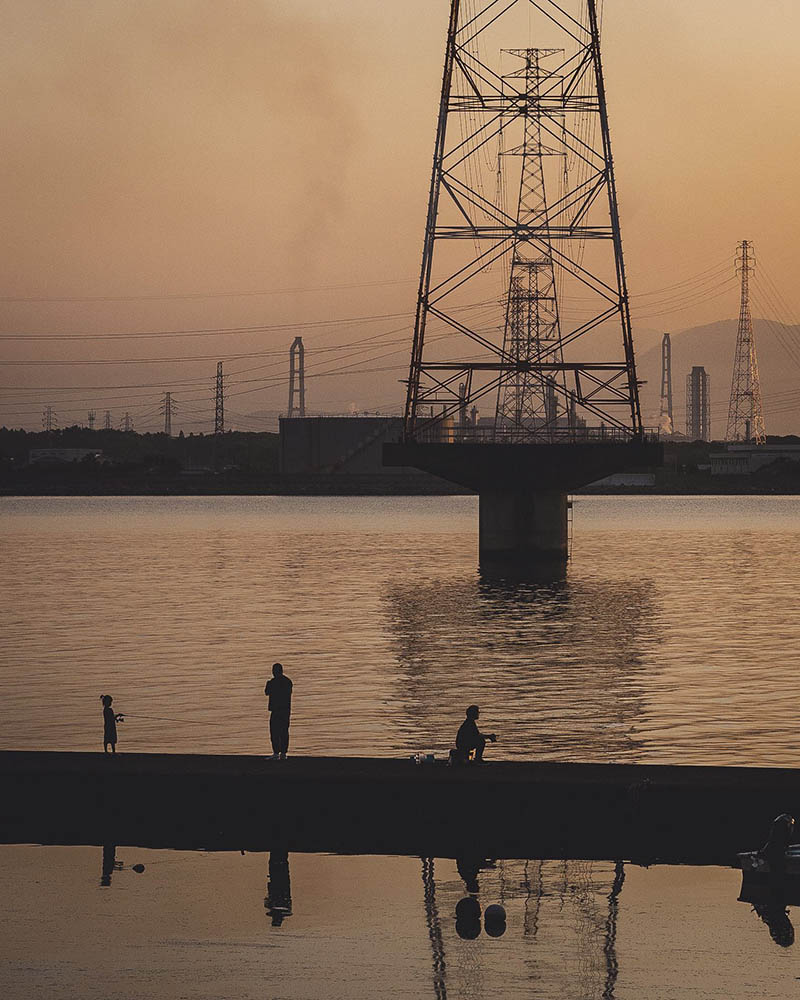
[(279, 692)]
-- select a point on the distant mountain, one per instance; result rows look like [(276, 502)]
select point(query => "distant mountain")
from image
[(713, 346)]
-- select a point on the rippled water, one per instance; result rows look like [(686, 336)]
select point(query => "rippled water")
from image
[(674, 638), (82, 923)]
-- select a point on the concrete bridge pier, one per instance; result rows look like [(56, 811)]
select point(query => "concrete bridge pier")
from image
[(523, 526)]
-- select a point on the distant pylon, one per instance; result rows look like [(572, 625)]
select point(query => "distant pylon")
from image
[(219, 402), (527, 404), (168, 408), (91, 417), (49, 419), (107, 421), (127, 422), (665, 421), (297, 378), (745, 412)]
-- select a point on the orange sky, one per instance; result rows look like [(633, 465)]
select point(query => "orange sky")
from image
[(187, 146)]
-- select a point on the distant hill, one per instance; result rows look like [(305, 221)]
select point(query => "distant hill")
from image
[(713, 347)]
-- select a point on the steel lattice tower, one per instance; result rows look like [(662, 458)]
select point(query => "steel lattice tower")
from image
[(297, 379), (49, 419), (91, 417), (666, 423), (745, 412), (527, 404), (107, 421), (219, 402), (497, 273), (168, 408)]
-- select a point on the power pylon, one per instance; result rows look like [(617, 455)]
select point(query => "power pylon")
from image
[(49, 419), (666, 423), (297, 379), (169, 408), (527, 404), (519, 283), (219, 402), (745, 411), (107, 421), (126, 424), (91, 417)]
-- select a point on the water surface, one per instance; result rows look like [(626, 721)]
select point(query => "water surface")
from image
[(674, 637)]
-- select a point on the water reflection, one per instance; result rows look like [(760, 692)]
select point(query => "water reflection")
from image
[(770, 896), (559, 668), (278, 901), (110, 864)]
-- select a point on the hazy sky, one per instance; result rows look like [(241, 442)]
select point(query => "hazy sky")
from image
[(171, 147)]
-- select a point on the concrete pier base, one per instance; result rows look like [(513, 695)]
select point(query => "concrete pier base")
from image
[(523, 528)]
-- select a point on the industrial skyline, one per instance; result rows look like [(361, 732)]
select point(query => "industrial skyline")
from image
[(232, 274)]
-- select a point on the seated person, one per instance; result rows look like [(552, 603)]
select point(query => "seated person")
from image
[(470, 738)]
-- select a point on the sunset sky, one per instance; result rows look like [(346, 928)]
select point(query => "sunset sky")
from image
[(165, 148)]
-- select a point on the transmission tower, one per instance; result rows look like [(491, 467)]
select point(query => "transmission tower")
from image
[(107, 421), (527, 404), (126, 424), (297, 379), (91, 417), (518, 283), (169, 408), (666, 423), (49, 419), (745, 412), (219, 402)]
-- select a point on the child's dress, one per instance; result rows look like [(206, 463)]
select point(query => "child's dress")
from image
[(109, 725)]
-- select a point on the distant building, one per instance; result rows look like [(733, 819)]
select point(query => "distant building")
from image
[(57, 456), (698, 405), (745, 459), (338, 445)]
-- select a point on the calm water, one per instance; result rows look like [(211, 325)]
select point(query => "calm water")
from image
[(674, 638), (223, 926)]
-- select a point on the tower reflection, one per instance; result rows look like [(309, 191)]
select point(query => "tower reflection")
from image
[(558, 669), (565, 913)]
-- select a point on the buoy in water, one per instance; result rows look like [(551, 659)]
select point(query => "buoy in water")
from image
[(137, 868), (468, 908), (494, 920)]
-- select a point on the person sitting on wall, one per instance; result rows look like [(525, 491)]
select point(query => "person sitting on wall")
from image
[(470, 741)]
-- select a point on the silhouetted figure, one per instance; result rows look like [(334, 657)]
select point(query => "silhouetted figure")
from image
[(278, 902), (470, 739), (279, 692), (469, 866), (110, 721), (774, 851)]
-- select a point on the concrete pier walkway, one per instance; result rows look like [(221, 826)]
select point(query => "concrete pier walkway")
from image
[(633, 812)]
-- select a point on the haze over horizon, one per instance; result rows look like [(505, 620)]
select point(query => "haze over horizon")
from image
[(167, 160)]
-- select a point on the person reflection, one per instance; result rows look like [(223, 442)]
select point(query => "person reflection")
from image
[(278, 901), (468, 918), (469, 866), (775, 915), (110, 864)]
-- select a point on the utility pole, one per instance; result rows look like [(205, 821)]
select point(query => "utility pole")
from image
[(127, 422), (297, 379), (107, 421), (745, 412), (91, 417), (219, 402), (168, 408), (49, 419), (665, 421)]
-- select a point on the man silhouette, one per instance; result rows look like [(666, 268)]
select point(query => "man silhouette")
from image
[(470, 738), (279, 692)]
